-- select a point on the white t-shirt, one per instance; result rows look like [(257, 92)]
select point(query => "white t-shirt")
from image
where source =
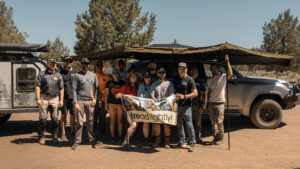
[(218, 86)]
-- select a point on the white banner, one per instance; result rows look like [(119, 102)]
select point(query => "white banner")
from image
[(152, 111)]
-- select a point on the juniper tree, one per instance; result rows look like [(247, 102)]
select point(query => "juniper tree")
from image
[(9, 33), (282, 36), (113, 23), (57, 50)]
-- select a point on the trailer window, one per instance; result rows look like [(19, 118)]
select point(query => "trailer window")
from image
[(26, 79)]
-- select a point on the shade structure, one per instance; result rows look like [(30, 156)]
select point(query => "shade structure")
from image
[(23, 47), (238, 55)]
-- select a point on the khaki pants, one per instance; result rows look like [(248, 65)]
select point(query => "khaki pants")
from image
[(50, 102), (47, 101), (79, 116), (216, 115), (197, 114)]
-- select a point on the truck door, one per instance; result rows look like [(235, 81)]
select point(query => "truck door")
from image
[(24, 77)]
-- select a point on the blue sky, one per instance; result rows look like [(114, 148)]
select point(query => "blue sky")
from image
[(191, 22)]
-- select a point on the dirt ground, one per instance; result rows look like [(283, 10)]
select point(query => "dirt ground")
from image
[(250, 148)]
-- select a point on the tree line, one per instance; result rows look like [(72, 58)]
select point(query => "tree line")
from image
[(113, 23)]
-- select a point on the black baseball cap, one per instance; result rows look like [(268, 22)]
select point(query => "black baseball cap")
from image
[(147, 74)]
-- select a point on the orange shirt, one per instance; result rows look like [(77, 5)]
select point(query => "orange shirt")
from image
[(102, 80), (131, 90)]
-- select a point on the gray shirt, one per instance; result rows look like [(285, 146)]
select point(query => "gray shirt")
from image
[(144, 91), (161, 90), (218, 86), (83, 86), (50, 83)]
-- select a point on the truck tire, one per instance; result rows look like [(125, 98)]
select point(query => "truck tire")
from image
[(4, 118), (266, 114)]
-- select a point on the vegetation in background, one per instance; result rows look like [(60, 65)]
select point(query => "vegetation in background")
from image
[(9, 33), (57, 50), (113, 23)]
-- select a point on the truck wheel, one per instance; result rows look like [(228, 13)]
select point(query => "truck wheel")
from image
[(266, 114), (4, 118)]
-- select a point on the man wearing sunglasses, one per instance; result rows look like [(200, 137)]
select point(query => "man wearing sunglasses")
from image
[(84, 83), (66, 73), (49, 94), (161, 89)]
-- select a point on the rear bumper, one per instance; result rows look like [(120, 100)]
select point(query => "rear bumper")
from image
[(291, 100)]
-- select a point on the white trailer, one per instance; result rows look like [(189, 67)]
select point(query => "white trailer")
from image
[(18, 71)]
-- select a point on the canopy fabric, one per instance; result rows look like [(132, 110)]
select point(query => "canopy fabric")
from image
[(237, 54), (23, 47)]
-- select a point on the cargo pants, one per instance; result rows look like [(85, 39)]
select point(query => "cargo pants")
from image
[(216, 116), (79, 117), (48, 103)]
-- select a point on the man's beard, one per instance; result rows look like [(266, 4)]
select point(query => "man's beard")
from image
[(51, 68), (152, 69), (215, 73), (84, 68), (161, 78)]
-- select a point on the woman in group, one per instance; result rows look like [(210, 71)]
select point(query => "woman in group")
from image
[(144, 91), (113, 105), (129, 89)]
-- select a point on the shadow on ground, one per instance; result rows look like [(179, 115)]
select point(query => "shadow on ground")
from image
[(13, 128)]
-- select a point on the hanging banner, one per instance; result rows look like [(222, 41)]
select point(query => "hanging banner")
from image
[(140, 109)]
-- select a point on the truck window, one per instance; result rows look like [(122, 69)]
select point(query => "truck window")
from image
[(26, 79)]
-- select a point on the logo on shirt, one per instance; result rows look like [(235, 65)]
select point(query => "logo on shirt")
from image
[(55, 78)]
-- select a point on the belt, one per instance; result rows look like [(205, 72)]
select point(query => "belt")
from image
[(44, 95)]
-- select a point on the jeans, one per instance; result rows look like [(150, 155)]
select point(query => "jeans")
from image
[(185, 113)]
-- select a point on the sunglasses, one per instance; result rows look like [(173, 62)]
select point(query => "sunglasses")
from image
[(161, 73), (70, 61)]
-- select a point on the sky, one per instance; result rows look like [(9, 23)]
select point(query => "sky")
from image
[(196, 23)]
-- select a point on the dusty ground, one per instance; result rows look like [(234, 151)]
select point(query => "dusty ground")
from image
[(250, 148)]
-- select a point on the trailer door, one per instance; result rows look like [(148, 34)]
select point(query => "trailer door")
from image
[(24, 77)]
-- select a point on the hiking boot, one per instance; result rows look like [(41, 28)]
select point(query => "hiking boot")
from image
[(214, 140), (167, 142), (42, 141), (218, 142), (157, 142), (55, 139), (181, 145), (199, 141), (74, 146), (94, 145), (192, 147), (63, 137)]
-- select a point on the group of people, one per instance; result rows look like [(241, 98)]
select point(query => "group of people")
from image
[(98, 95)]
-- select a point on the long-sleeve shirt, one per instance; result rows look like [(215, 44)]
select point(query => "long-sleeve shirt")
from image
[(83, 85)]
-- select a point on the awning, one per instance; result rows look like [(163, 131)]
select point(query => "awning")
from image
[(237, 54), (23, 47)]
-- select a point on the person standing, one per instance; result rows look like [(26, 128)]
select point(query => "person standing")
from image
[(84, 83), (100, 113), (130, 88), (68, 98), (198, 103), (161, 89), (216, 86), (113, 105), (49, 93), (152, 68), (144, 92), (185, 88)]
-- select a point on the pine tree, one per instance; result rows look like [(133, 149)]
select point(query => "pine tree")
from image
[(57, 50), (9, 33), (282, 36), (113, 23)]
